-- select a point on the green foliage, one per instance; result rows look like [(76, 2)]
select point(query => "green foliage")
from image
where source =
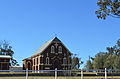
[(116, 62), (109, 59), (76, 62), (89, 64), (14, 62), (99, 61), (6, 49), (108, 8)]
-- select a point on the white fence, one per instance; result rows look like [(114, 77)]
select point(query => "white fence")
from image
[(60, 74)]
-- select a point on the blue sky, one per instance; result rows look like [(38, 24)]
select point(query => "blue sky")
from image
[(27, 24)]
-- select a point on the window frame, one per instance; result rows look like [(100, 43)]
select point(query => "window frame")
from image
[(52, 49), (60, 49), (47, 60)]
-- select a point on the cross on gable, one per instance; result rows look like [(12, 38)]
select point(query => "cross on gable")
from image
[(56, 44)]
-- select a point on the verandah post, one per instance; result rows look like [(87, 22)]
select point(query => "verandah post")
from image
[(81, 74), (105, 73), (55, 73), (27, 73)]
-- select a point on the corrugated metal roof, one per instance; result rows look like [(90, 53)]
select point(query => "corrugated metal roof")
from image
[(5, 56), (45, 45)]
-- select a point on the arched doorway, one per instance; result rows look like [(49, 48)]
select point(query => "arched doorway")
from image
[(56, 64), (29, 65)]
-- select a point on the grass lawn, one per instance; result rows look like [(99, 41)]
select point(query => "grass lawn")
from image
[(60, 77), (90, 77)]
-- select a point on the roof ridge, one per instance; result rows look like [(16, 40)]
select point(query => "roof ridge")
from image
[(45, 45)]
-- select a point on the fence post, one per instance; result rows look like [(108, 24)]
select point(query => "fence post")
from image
[(55, 73), (81, 74), (105, 73), (27, 73)]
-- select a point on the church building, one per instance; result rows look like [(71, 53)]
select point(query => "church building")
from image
[(53, 54)]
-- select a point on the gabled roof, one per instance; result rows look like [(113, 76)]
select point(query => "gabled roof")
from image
[(29, 58), (45, 45)]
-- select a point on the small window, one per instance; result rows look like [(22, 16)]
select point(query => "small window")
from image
[(64, 61), (59, 49), (47, 60), (52, 49)]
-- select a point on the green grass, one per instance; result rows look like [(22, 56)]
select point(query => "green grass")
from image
[(62, 77), (112, 77)]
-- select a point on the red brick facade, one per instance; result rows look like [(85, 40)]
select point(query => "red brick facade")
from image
[(53, 54), (4, 62)]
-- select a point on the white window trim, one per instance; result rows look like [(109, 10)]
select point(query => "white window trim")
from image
[(60, 49), (47, 60), (64, 61), (52, 49)]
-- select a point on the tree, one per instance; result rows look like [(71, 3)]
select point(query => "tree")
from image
[(108, 8), (76, 62), (109, 59), (6, 49), (116, 63), (98, 62), (89, 65)]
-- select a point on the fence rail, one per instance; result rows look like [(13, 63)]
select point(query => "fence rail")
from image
[(60, 74)]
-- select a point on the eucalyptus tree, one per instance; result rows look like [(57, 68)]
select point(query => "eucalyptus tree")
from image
[(109, 59), (108, 8), (6, 49)]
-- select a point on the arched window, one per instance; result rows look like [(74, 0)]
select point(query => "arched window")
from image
[(47, 60), (52, 49), (64, 61), (59, 49)]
